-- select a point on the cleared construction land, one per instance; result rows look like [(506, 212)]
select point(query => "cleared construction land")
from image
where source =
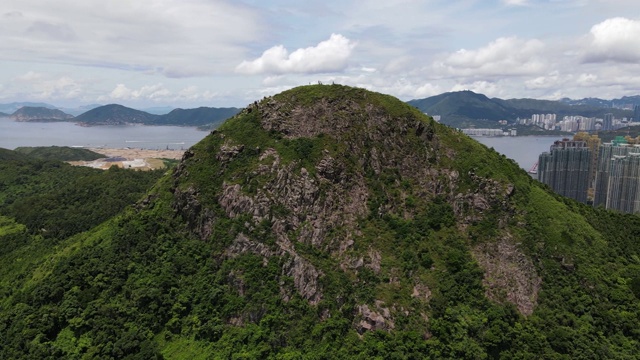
[(128, 158)]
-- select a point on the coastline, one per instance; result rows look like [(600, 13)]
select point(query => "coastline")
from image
[(136, 153)]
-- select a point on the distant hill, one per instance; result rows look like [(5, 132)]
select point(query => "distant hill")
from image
[(61, 153), (40, 114), (625, 102), (466, 108), (12, 107), (119, 115), (197, 117), (4, 114), (527, 107), (114, 114)]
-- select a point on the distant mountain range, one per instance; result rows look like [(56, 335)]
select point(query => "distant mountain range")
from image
[(114, 114), (466, 108), (625, 102), (458, 109)]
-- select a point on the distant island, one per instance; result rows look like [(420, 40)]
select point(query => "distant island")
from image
[(114, 114)]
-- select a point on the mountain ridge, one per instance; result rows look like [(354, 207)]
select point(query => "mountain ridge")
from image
[(467, 109)]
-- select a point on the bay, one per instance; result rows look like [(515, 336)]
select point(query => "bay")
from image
[(14, 134), (525, 150)]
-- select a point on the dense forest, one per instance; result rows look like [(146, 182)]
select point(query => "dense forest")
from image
[(325, 222)]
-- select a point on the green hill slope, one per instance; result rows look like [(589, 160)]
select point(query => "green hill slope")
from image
[(61, 153), (330, 222)]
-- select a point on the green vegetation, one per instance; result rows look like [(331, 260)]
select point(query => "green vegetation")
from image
[(61, 153), (378, 234), (56, 200)]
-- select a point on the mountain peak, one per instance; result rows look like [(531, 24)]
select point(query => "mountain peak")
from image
[(114, 114), (335, 221)]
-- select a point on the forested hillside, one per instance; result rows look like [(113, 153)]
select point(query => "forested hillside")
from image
[(61, 153), (325, 222)]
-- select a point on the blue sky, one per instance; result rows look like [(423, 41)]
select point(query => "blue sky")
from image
[(188, 53)]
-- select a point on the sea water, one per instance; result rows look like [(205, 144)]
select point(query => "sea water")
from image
[(14, 134)]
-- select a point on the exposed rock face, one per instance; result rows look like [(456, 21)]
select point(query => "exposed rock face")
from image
[(199, 219), (471, 206), (375, 166), (377, 319), (509, 274)]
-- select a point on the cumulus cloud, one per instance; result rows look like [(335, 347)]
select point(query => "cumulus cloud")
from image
[(146, 92), (331, 55), (616, 39), (502, 57), (487, 88), (48, 87), (550, 81), (158, 93)]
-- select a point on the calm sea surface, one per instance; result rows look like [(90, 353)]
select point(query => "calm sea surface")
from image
[(14, 134), (523, 149)]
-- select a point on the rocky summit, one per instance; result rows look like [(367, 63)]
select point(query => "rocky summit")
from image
[(333, 222)]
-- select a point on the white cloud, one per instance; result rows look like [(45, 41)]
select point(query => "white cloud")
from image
[(552, 80), (515, 2), (29, 76), (331, 55), (487, 88), (42, 86), (120, 92), (505, 56), (177, 38), (147, 92), (616, 39), (158, 93), (587, 79)]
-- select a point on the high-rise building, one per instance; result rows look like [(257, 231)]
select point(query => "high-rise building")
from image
[(607, 122), (566, 168), (593, 143), (618, 176), (623, 192), (636, 113)]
